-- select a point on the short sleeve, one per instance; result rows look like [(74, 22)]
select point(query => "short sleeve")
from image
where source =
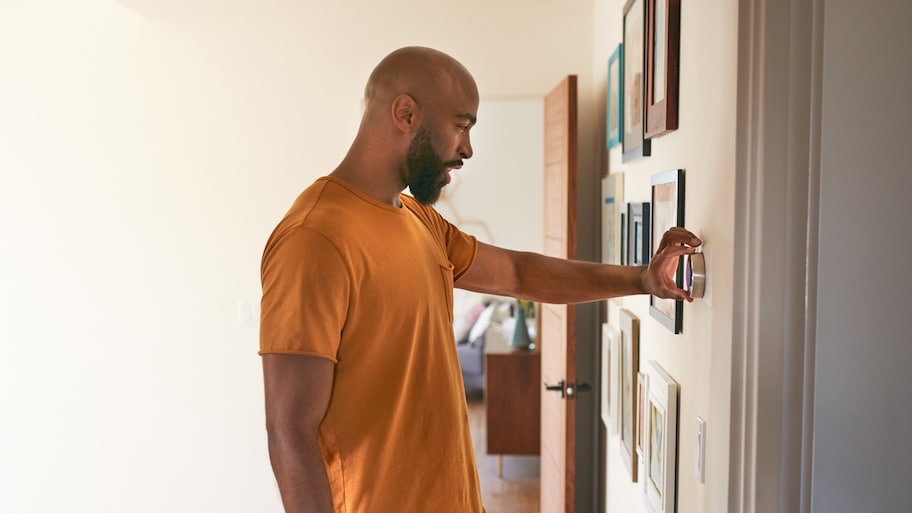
[(461, 249), (306, 291)]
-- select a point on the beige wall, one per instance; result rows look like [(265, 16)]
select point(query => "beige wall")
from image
[(704, 146), (146, 151), (148, 148), (497, 197)]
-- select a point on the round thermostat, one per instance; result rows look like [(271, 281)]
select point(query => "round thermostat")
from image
[(695, 275)]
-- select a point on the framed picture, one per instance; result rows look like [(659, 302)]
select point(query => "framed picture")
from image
[(630, 366), (612, 193), (661, 444), (624, 230), (641, 407), (668, 211), (610, 378), (615, 104), (639, 245), (663, 42), (633, 141)]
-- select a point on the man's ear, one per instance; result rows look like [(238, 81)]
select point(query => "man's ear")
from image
[(405, 112)]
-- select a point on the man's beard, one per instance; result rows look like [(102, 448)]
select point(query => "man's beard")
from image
[(424, 169)]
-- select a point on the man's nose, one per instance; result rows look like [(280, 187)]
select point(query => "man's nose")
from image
[(465, 150)]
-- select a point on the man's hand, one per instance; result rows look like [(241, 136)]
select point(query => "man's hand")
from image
[(658, 278)]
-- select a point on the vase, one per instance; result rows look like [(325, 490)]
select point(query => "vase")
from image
[(521, 331)]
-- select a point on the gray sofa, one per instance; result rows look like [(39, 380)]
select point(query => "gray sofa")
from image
[(471, 359), (475, 316)]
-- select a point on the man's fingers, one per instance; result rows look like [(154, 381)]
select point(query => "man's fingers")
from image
[(675, 251), (673, 292), (677, 235)]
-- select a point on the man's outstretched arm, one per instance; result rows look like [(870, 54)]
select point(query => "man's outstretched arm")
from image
[(297, 396), (554, 280)]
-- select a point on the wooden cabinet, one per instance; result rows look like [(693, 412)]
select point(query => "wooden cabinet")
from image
[(512, 399)]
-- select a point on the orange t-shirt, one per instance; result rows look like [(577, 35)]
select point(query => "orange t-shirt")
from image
[(370, 287)]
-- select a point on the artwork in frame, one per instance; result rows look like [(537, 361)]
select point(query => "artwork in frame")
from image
[(624, 230), (668, 211), (641, 407), (639, 245), (660, 459), (606, 375), (663, 42), (615, 97), (630, 366), (612, 195), (634, 142), (610, 378)]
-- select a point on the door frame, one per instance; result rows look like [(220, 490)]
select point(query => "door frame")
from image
[(780, 58)]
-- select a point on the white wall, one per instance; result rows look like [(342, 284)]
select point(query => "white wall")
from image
[(146, 151), (861, 418), (704, 146), (498, 196)]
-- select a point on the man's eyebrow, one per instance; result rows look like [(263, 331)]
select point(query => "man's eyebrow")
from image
[(470, 117)]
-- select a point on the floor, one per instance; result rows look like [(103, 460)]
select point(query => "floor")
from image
[(517, 491)]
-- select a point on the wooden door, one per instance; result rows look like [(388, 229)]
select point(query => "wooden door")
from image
[(558, 341)]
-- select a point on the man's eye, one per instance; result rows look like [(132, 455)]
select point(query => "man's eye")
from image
[(463, 128)]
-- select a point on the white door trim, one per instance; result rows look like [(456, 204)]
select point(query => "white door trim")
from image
[(775, 261)]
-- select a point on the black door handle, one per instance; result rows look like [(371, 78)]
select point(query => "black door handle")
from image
[(572, 389), (559, 387)]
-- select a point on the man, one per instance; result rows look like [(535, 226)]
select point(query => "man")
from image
[(365, 406)]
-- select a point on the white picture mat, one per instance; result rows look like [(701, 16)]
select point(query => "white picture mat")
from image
[(612, 197), (662, 396), (610, 376), (629, 365)]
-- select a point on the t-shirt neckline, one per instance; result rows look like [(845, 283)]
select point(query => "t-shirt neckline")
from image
[(347, 186)]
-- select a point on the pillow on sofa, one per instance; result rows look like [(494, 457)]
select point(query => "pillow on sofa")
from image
[(462, 324), (482, 323)]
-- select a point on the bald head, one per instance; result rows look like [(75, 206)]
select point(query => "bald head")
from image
[(425, 74), (419, 107)]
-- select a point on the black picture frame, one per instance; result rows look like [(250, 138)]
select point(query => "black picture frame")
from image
[(624, 231), (639, 242), (668, 211)]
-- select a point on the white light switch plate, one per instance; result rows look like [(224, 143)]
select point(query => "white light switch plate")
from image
[(700, 451), (248, 312)]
